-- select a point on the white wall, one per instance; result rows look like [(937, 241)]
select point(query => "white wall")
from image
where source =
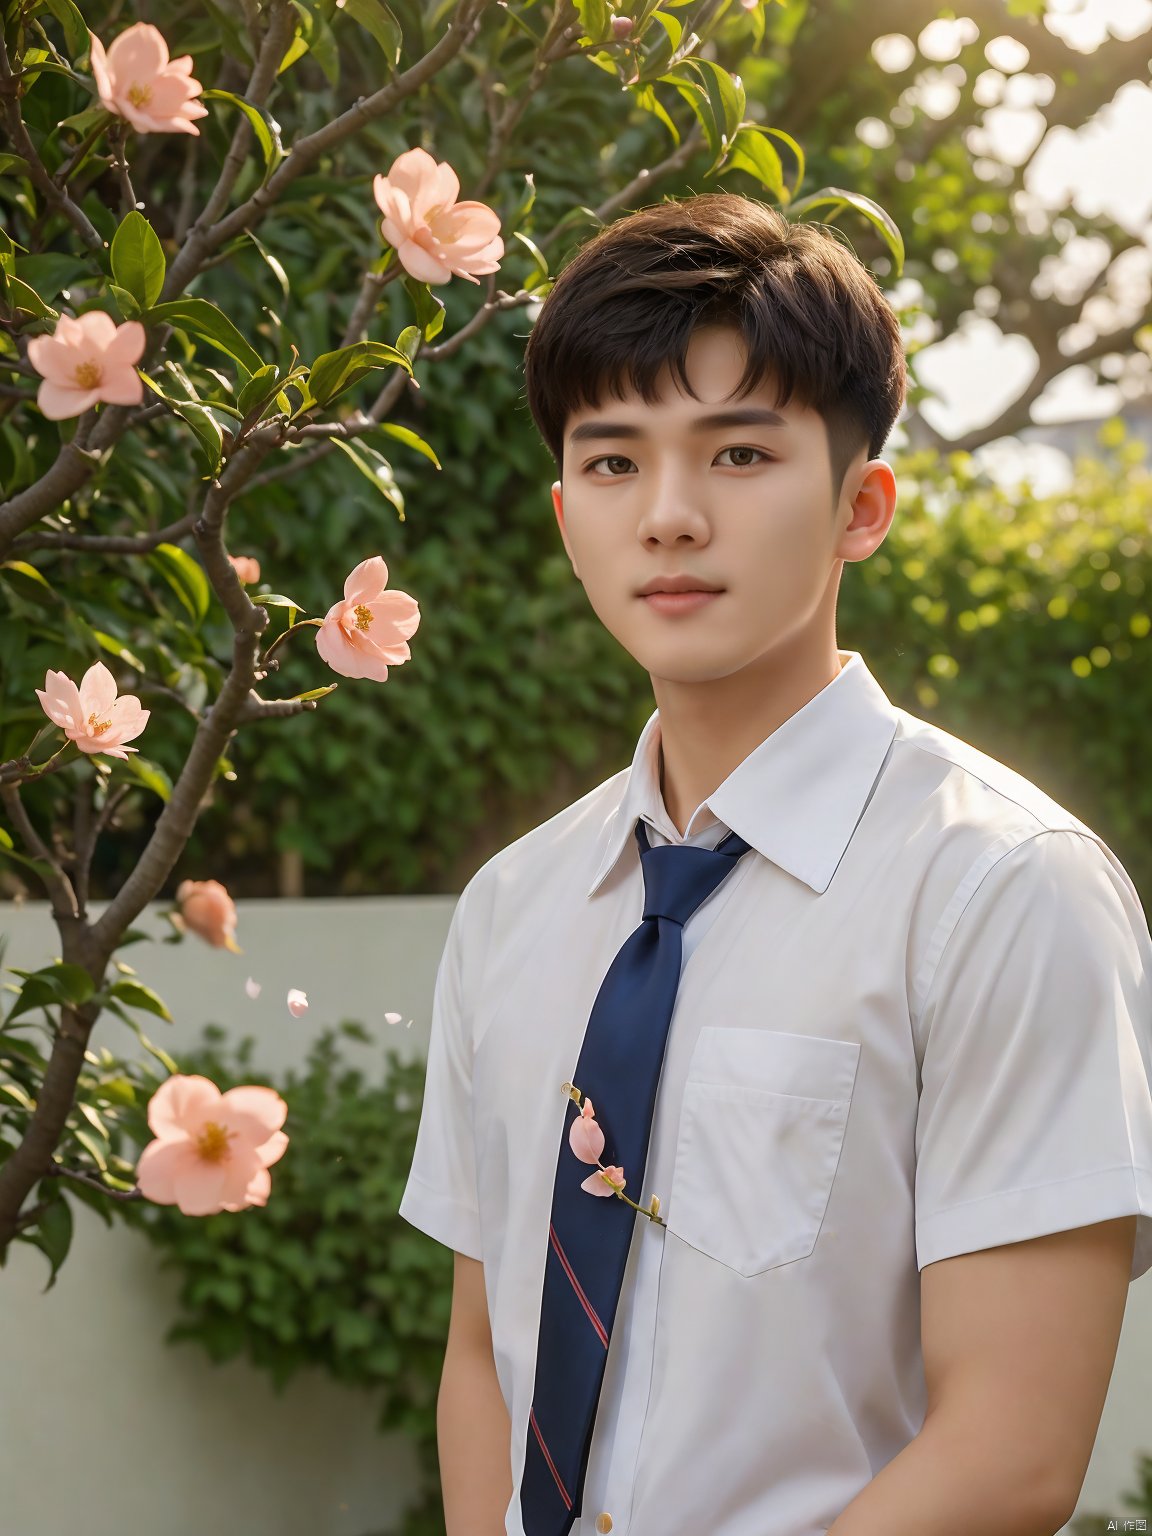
[(105, 1429)]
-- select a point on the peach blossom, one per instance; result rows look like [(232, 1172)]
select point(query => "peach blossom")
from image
[(585, 1137), (87, 359), (596, 1183), (91, 715), (137, 80), (212, 1150), (435, 236), (247, 569), (368, 631), (209, 912), (297, 1002)]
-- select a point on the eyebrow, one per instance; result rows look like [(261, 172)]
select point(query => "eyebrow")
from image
[(747, 416)]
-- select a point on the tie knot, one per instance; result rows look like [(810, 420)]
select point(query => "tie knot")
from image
[(678, 878)]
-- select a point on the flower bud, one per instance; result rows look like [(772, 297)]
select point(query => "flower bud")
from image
[(621, 27)]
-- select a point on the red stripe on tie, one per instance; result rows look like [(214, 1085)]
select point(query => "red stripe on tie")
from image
[(577, 1287), (548, 1459)]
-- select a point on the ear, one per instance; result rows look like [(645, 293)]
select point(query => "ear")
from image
[(558, 506), (873, 508)]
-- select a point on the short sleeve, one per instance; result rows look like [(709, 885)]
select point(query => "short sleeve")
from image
[(1035, 1112), (441, 1197)]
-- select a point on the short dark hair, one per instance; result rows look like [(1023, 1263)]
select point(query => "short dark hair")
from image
[(813, 318)]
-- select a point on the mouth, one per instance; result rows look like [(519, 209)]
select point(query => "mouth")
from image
[(679, 602)]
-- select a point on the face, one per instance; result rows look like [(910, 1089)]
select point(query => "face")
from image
[(654, 490)]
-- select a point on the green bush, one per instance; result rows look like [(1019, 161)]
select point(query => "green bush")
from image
[(326, 1274)]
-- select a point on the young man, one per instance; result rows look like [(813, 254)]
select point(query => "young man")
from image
[(896, 1001)]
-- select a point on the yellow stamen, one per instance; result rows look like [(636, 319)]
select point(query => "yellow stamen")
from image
[(88, 374), (363, 616), (97, 727), (212, 1142), (139, 95)]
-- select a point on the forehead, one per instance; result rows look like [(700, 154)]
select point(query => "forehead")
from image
[(714, 364)]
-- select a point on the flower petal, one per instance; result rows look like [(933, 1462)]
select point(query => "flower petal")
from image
[(255, 1112), (181, 1104)]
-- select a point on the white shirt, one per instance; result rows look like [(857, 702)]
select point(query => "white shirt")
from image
[(915, 1021)]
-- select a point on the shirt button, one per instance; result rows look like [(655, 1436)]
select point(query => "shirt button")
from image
[(604, 1521)]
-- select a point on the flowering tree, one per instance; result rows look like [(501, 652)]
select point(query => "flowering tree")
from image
[(115, 324)]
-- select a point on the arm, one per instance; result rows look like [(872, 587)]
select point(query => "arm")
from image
[(1019, 1342), (473, 1430)]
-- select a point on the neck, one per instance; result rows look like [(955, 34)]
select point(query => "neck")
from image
[(708, 729)]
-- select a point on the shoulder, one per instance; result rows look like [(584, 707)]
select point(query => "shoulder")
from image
[(565, 843), (980, 787)]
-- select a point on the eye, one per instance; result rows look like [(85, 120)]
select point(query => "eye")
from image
[(744, 448), (620, 458)]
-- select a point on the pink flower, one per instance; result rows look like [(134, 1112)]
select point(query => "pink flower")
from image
[(596, 1183), (297, 1002), (138, 81), (585, 1137), (86, 360), (369, 630), (212, 1150), (91, 715), (435, 236), (209, 912), (252, 988), (587, 1141), (247, 569)]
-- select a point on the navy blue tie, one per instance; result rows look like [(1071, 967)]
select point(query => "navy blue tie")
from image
[(589, 1236)]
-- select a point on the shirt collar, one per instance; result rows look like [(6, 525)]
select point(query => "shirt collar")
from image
[(797, 798)]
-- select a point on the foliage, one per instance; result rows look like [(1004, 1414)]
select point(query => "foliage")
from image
[(233, 271), (1021, 624), (327, 1274)]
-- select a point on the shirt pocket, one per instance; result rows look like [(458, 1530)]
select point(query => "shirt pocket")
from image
[(761, 1128)]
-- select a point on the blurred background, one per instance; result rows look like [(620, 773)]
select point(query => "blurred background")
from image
[(1011, 141)]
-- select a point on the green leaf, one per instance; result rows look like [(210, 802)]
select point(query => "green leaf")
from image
[(273, 264), (264, 126), (75, 29), (376, 469), (30, 572), (537, 255), (152, 777), (117, 648), (21, 297), (90, 1144), (277, 600), (837, 198), (375, 17), (52, 1234), (334, 372), (14, 165), (430, 310), (134, 994), (18, 1095), (138, 263), (126, 301), (265, 386), (317, 693), (207, 430), (406, 435), (184, 576), (204, 319), (52, 985), (726, 99), (751, 152)]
